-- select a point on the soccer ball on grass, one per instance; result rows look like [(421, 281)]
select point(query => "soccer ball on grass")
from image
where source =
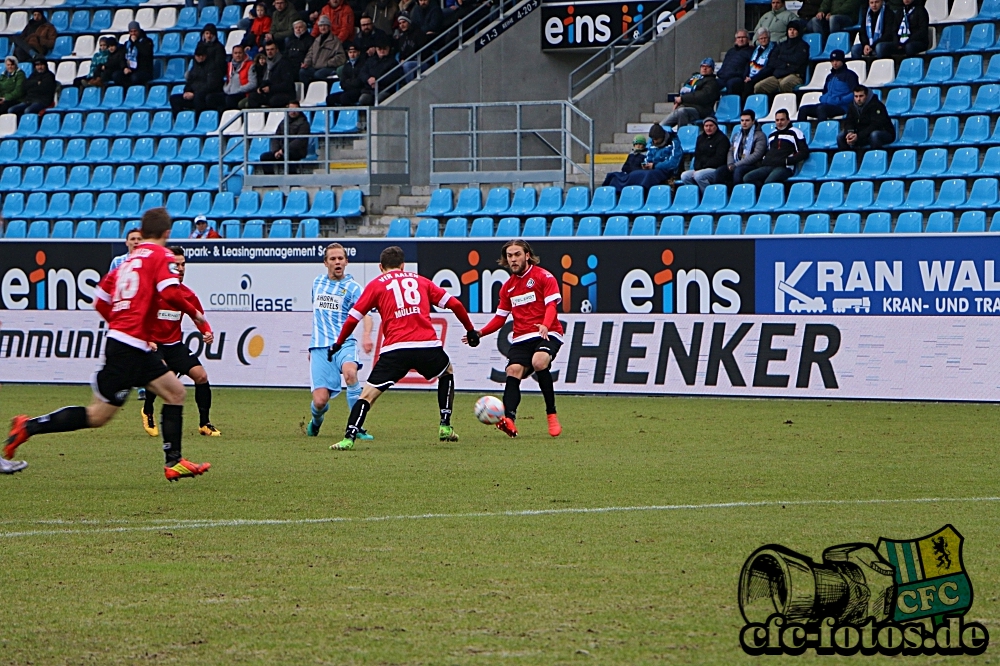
[(489, 410)]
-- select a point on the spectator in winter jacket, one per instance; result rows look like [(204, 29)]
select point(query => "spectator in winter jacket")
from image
[(633, 162), (97, 62), (427, 18), (878, 31), (240, 80), (408, 41), (282, 19), (201, 80), (216, 53), (913, 31), (838, 91), (776, 21), (325, 55), (298, 45), (786, 67), (297, 148), (137, 69), (349, 75), (710, 153), (867, 125), (367, 36), (341, 20), (734, 65), (260, 27), (37, 38), (383, 14), (115, 62), (697, 97), (835, 16), (747, 146), (759, 56), (663, 159), (786, 148), (374, 69), (11, 84), (39, 90), (807, 12), (202, 230), (275, 81)]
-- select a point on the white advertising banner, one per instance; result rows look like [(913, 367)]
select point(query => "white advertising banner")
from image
[(877, 357)]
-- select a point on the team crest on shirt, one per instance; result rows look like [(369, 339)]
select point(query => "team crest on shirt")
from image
[(530, 284)]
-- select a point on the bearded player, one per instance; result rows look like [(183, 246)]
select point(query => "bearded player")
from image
[(129, 299), (333, 296), (404, 301), (180, 360), (531, 295)]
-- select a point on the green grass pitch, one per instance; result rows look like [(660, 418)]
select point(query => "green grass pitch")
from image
[(103, 561)]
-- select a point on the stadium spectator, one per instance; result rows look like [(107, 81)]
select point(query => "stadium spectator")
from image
[(867, 124), (97, 62), (807, 12), (710, 153), (298, 125), (372, 70), (216, 54), (11, 84), (282, 19), (835, 16), (697, 97), (341, 20), (275, 81), (734, 65), (759, 56), (747, 146), (633, 161), (324, 57), (786, 67), (115, 63), (298, 45), (367, 36), (913, 33), (786, 147), (240, 81), (427, 18), (663, 159), (349, 75), (383, 14), (37, 38), (776, 21), (408, 40), (201, 80), (137, 69), (259, 29), (878, 32), (39, 90), (202, 230), (838, 91)]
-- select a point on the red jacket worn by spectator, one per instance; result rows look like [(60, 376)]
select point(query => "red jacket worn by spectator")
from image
[(341, 22)]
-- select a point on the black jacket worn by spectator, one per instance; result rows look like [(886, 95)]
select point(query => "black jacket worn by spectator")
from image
[(427, 19), (704, 96), (867, 118), (40, 88), (890, 25), (710, 152), (633, 162), (280, 78), (377, 67), (350, 75), (144, 50), (115, 64), (383, 14), (409, 42), (203, 78), (369, 41), (789, 57), (216, 54), (297, 148), (785, 148), (296, 49), (734, 65), (919, 23)]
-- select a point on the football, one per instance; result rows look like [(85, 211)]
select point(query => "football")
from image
[(489, 410)]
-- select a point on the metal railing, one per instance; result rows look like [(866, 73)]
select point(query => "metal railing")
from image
[(510, 142), (351, 146), (606, 60), (452, 39)]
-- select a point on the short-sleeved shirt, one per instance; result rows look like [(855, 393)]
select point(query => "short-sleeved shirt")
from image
[(167, 327), (118, 261), (525, 296), (404, 300), (332, 300)]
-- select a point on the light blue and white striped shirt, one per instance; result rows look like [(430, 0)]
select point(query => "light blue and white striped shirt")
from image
[(118, 261), (332, 301)]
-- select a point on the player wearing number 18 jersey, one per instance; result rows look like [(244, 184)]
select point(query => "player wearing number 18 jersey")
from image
[(129, 298), (410, 342)]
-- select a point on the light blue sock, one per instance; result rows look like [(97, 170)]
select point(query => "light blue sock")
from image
[(319, 414), (353, 393)]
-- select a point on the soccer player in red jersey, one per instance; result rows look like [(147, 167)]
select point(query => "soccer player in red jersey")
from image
[(177, 356), (409, 341), (531, 295), (129, 298)]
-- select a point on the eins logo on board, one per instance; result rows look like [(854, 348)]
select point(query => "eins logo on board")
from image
[(40, 288), (574, 29)]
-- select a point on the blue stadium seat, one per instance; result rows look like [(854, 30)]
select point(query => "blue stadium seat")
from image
[(873, 165), (180, 229), (10, 180), (759, 103), (83, 205), (983, 194), (399, 228), (685, 200), (991, 163), (38, 229), (671, 225), (439, 205), (729, 225), (589, 226), (972, 222), (68, 98), (62, 229), (60, 21), (688, 134), (151, 200), (700, 225), (772, 196), (602, 203), (523, 202), (938, 71), (964, 162), (350, 204), (177, 203), (456, 227), (97, 151), (174, 70), (93, 124), (170, 178), (561, 226), (800, 198), (497, 202), (941, 222), (194, 177), (742, 199), (230, 229), (347, 122), (189, 43), (629, 202), (469, 202), (184, 123), (987, 99), (114, 96), (814, 168), (830, 197), (230, 16), (903, 164), (860, 195), (825, 137), (837, 40), (847, 223), (253, 229), (106, 205), (617, 226), (148, 178), (728, 110), (644, 225), (55, 178), (52, 151), (297, 204), (534, 227), (8, 151), (63, 47), (101, 19), (787, 223), (124, 178), (271, 204), (920, 195), (890, 195), (138, 124), (117, 123), (510, 227), (86, 229), (995, 223), (121, 151), (934, 163), (200, 204), (247, 204), (927, 102), (549, 201), (981, 38), (190, 148), (157, 98), (951, 194), (657, 201), (482, 227), (427, 228), (910, 73), (712, 200), (308, 228), (951, 39), (17, 229), (817, 223), (322, 204), (26, 126), (897, 102), (880, 223), (957, 100), (842, 166), (49, 126), (34, 176), (135, 98), (976, 131), (576, 201), (280, 229), (815, 42), (209, 14), (90, 99), (223, 205)]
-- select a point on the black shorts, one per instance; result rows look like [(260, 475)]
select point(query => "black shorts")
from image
[(178, 357), (125, 367), (520, 353), (392, 366)]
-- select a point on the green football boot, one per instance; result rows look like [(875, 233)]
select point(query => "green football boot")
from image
[(346, 444), (447, 434)]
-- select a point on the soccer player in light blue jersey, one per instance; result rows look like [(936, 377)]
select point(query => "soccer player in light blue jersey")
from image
[(333, 296), (132, 238)]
